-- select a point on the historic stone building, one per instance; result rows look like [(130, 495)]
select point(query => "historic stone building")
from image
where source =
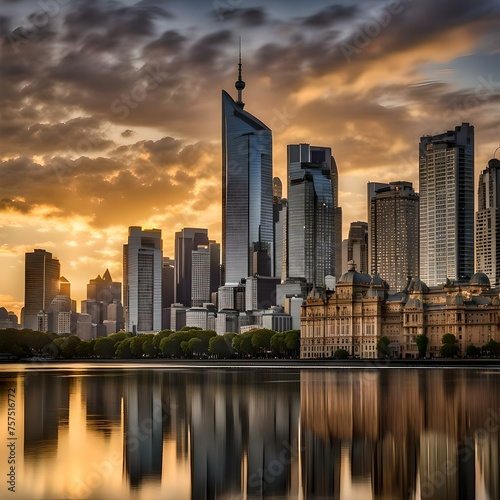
[(361, 310)]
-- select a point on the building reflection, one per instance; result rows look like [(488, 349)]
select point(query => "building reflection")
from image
[(275, 434), (434, 432), (46, 410)]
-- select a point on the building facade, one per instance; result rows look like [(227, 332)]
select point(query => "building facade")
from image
[(311, 214), (446, 183), (247, 192), (142, 270), (200, 276), (361, 311), (42, 283), (186, 240), (395, 234), (356, 246), (488, 222)]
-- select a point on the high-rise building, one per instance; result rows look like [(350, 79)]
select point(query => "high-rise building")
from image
[(214, 249), (142, 269), (279, 215), (186, 240), (200, 276), (337, 219), (42, 274), (167, 290), (357, 246), (372, 189), (311, 214), (104, 289), (394, 226), (247, 191), (488, 222), (446, 173)]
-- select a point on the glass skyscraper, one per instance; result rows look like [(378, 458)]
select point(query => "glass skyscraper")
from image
[(41, 285), (247, 192), (311, 214), (488, 222), (446, 173), (142, 270), (394, 228)]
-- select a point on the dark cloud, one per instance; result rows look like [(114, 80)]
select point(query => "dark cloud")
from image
[(7, 205), (127, 133), (247, 18), (330, 15), (78, 136), (171, 42)]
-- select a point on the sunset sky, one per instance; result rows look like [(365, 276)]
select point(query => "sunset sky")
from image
[(111, 111)]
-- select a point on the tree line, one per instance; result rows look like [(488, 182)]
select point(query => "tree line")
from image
[(188, 343)]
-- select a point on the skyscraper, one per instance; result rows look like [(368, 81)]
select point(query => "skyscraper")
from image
[(104, 289), (446, 172), (488, 222), (186, 240), (357, 246), (311, 214), (200, 276), (42, 273), (142, 269), (337, 218), (394, 227), (247, 191)]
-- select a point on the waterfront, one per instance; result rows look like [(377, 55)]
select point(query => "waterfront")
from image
[(123, 430)]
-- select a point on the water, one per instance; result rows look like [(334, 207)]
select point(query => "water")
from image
[(124, 432)]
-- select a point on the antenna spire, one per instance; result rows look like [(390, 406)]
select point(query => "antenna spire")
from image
[(240, 84)]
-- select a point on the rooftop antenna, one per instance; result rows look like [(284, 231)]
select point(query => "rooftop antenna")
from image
[(240, 84)]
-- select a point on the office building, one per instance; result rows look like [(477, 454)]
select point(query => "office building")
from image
[(186, 240), (446, 173), (279, 225), (200, 276), (104, 289), (142, 269), (488, 222), (337, 219), (356, 247), (395, 234), (167, 290), (42, 274), (247, 192), (311, 214)]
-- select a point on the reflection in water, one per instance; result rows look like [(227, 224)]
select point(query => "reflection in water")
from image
[(388, 434)]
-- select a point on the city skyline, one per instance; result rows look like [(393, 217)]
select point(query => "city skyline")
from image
[(80, 164)]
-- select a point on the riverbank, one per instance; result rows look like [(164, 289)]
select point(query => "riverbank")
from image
[(375, 364)]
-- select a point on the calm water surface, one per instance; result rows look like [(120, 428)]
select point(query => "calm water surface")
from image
[(124, 432)]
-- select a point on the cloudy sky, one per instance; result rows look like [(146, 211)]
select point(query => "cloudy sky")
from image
[(111, 112)]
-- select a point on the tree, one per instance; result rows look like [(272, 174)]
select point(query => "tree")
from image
[(148, 348), (383, 346), (219, 347), (104, 347), (160, 336), (341, 354), (123, 350), (171, 346), (422, 341), (278, 344), (449, 347), (292, 340), (492, 348), (473, 351), (68, 347), (246, 345), (84, 349), (236, 344), (197, 347), (261, 340)]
